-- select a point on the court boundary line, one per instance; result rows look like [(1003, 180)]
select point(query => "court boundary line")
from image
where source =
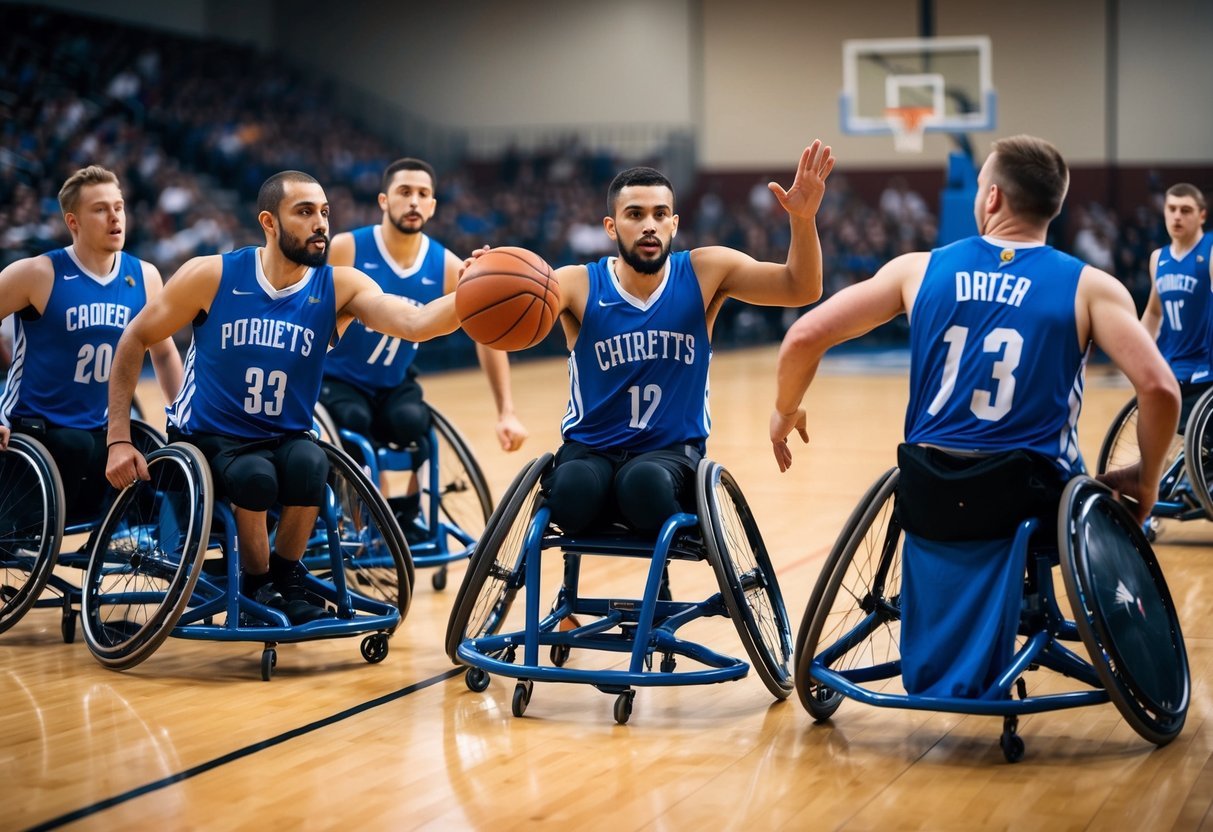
[(241, 753)]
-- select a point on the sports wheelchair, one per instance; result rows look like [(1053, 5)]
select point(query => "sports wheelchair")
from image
[(1185, 490), (34, 525), (145, 578), (508, 560), (455, 499), (849, 643)]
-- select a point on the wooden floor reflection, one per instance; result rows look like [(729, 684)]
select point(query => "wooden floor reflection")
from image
[(192, 738)]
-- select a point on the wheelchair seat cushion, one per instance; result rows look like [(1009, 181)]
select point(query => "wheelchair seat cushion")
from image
[(945, 496)]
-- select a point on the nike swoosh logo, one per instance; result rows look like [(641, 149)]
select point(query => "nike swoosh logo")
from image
[(612, 303), (238, 292), (70, 276), (313, 300), (425, 281), (370, 265), (1163, 262)]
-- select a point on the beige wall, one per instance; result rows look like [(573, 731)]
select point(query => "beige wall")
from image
[(756, 79), (773, 71), (479, 63), (1165, 82)]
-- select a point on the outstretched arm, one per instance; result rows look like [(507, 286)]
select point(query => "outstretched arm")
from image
[(848, 314), (360, 297), (796, 282)]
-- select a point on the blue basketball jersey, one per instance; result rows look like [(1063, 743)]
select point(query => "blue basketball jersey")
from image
[(638, 374), (1185, 292), (994, 358), (253, 370), (61, 361), (370, 360)]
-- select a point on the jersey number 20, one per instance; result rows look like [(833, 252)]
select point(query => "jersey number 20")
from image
[(985, 405)]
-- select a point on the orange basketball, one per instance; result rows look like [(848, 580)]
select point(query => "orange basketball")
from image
[(507, 299)]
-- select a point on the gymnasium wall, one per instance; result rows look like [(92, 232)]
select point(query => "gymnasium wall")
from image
[(1110, 81)]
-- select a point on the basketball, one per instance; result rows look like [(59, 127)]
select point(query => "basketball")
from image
[(507, 299)]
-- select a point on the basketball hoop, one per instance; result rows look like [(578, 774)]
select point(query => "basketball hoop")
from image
[(908, 124)]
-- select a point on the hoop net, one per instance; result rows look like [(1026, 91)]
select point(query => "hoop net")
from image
[(908, 125)]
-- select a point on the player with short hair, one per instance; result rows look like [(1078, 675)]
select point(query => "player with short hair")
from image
[(262, 320), (1179, 313), (1000, 328), (639, 326), (370, 381), (69, 308)]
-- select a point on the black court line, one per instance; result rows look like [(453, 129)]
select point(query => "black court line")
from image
[(240, 753)]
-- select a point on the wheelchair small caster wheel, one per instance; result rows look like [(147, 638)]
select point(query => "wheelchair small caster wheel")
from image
[(476, 679), (522, 697), (1010, 742), (560, 654), (269, 659), (1012, 747), (67, 625), (438, 579), (623, 706), (1151, 527), (374, 648)]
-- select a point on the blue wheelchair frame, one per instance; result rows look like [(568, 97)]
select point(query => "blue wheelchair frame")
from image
[(67, 595), (1042, 625), (638, 627), (435, 549), (244, 618), (1180, 494)]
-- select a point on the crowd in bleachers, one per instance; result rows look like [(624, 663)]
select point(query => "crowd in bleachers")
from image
[(192, 147)]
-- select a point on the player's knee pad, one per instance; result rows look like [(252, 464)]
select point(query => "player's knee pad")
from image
[(647, 495), (251, 482), (576, 492), (304, 471), (408, 422), (352, 416)]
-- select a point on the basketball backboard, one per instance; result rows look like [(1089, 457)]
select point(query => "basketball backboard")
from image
[(906, 86)]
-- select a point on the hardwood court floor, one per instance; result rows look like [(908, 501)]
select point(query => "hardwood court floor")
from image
[(193, 739)]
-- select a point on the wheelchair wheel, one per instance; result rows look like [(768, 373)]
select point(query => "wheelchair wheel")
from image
[(31, 525), (1123, 611), (1198, 451), (146, 558), (747, 579), (375, 556), (857, 597), (1119, 450), (323, 425), (496, 570), (464, 499)]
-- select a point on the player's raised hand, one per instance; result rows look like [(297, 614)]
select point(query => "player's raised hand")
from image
[(804, 197)]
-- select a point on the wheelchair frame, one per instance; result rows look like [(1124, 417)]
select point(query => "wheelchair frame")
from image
[(50, 553), (510, 555), (822, 681), (1184, 491), (441, 526), (185, 601)]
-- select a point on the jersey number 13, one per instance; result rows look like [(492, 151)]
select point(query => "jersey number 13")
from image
[(988, 405)]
